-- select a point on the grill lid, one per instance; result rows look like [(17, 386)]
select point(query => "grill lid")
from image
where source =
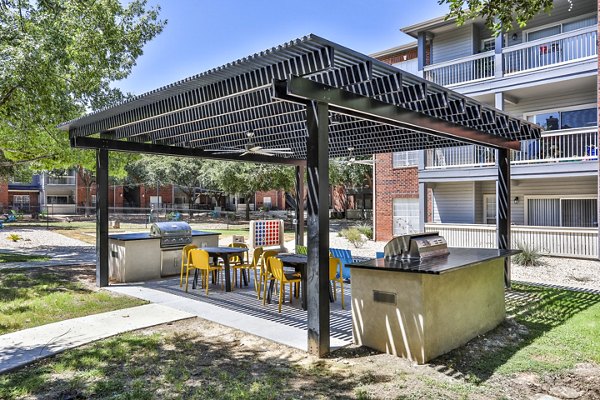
[(169, 229), (416, 246)]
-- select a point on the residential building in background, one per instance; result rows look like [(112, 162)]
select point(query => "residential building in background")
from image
[(545, 73)]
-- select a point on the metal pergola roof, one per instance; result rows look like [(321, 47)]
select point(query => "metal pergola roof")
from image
[(373, 108), (317, 98)]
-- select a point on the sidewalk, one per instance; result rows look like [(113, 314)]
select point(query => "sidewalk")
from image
[(28, 345)]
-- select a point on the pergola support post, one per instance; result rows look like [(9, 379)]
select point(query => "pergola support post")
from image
[(101, 217), (299, 205), (503, 208), (317, 156)]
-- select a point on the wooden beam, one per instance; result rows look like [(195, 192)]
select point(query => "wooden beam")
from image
[(303, 90), (503, 208), (101, 217), (318, 228)]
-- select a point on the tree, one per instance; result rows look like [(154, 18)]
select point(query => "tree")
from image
[(186, 173), (57, 60), (499, 15), (350, 176), (248, 178)]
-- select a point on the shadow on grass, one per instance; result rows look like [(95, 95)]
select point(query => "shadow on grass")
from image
[(23, 284), (532, 311), (138, 366)]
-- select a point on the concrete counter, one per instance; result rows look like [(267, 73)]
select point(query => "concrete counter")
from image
[(422, 310), (138, 257)]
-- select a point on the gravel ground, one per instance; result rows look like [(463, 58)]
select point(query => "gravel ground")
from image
[(61, 249)]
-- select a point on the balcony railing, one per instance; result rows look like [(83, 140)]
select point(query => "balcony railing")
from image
[(468, 69), (61, 180), (559, 49), (566, 47), (553, 146)]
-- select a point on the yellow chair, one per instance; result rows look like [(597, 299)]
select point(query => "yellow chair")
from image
[(238, 263), (275, 266), (184, 260), (198, 259), (265, 275), (335, 275)]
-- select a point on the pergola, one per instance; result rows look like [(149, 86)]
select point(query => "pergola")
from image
[(316, 98)]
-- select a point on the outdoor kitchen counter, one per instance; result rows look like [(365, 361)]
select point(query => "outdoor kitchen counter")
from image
[(420, 310), (138, 257), (458, 258)]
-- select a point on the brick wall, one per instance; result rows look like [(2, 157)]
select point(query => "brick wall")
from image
[(115, 196), (3, 193), (405, 56), (391, 183), (277, 199), (146, 192)]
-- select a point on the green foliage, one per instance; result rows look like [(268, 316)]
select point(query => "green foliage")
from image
[(15, 257), (57, 61), (354, 236), (247, 178), (14, 237), (529, 256), (499, 15), (366, 230)]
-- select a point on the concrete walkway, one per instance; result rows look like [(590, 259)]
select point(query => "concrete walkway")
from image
[(23, 347)]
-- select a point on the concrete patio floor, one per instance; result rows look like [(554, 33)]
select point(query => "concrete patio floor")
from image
[(242, 310)]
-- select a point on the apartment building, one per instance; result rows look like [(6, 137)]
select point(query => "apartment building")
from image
[(545, 73)]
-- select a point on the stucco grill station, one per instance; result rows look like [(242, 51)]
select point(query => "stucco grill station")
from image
[(135, 257), (424, 299)]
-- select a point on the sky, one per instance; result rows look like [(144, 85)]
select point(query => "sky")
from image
[(204, 34)]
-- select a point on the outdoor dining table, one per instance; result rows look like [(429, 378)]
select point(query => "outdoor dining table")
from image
[(298, 262), (223, 252)]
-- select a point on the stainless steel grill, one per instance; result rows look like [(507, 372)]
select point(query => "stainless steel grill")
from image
[(416, 247), (172, 234)]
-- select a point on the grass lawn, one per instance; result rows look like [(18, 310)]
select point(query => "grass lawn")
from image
[(547, 333), (16, 257), (36, 296)]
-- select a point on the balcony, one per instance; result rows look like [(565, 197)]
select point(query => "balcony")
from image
[(554, 146), (557, 50), (60, 180)]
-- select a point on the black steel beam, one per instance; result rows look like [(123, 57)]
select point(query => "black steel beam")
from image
[(317, 122), (503, 208), (301, 90), (149, 148), (299, 205), (101, 217)]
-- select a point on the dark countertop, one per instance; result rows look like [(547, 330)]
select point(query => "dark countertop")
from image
[(458, 258), (146, 235)]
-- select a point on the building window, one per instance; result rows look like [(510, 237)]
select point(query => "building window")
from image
[(405, 159), (557, 119), (489, 208), (57, 199), (21, 201), (405, 216), (561, 28), (567, 212), (488, 44)]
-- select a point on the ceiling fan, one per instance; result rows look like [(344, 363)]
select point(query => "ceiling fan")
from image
[(351, 159), (252, 148)]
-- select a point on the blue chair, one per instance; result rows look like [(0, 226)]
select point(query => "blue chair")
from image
[(345, 257)]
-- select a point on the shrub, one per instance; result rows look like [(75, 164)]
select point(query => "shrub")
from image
[(14, 237), (366, 230), (529, 256), (354, 236)]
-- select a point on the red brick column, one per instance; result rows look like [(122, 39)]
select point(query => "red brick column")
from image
[(391, 183)]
